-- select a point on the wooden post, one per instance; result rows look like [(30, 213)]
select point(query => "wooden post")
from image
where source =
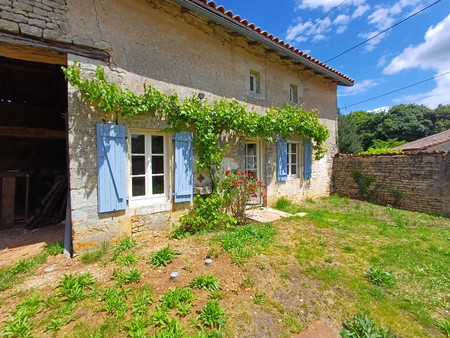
[(8, 199)]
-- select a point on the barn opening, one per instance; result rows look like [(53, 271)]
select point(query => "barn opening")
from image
[(33, 145)]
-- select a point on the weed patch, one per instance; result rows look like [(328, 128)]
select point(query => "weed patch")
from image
[(212, 314), (380, 277), (206, 282), (363, 326), (244, 242), (95, 255), (163, 257)]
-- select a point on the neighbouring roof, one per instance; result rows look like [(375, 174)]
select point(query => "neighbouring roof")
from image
[(236, 23), (426, 142)]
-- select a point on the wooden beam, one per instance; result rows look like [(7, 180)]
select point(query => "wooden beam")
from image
[(28, 53), (253, 43), (45, 45), (32, 133)]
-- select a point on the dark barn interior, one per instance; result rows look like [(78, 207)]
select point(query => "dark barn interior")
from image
[(33, 162)]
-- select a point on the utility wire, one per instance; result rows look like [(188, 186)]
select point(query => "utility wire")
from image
[(397, 90), (316, 22), (384, 31)]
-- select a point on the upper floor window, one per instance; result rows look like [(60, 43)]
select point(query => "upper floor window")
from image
[(293, 93), (255, 86), (148, 160)]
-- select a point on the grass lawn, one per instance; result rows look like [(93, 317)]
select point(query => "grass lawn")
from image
[(344, 258)]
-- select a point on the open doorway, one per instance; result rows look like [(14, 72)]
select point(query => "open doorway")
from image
[(33, 145)]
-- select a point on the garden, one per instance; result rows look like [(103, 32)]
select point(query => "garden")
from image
[(363, 269)]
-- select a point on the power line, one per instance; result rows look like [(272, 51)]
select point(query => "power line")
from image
[(384, 31), (397, 90), (316, 22)]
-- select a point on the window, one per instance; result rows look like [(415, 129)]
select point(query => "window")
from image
[(255, 82), (147, 165), (251, 159), (293, 93), (293, 157)]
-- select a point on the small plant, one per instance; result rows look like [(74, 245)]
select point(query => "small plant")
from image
[(73, 287), (163, 257), (285, 205), (363, 326), (380, 277), (444, 326), (212, 314), (173, 298), (323, 244), (259, 297), (61, 318), (184, 309), (329, 259), (138, 327), (127, 276), (348, 249), (115, 301), (160, 317), (125, 244), (18, 326), (206, 282), (128, 259), (398, 195), (54, 249), (364, 182), (96, 255), (171, 329), (141, 301), (247, 282)]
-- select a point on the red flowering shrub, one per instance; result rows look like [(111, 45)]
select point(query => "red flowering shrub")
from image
[(238, 190)]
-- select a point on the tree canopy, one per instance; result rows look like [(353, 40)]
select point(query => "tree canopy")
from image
[(361, 130)]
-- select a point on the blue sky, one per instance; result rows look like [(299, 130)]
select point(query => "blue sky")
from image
[(415, 50)]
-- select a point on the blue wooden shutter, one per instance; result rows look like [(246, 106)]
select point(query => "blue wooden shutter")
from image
[(184, 163), (282, 160), (308, 159), (111, 171)]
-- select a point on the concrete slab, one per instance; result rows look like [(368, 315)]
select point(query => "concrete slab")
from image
[(318, 329), (268, 214)]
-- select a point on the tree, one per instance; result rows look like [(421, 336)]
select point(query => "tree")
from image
[(442, 113), (349, 141)]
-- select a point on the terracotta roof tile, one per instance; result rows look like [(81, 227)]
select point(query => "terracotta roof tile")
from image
[(252, 26), (426, 142)]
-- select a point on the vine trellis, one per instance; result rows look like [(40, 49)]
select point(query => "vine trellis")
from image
[(208, 121)]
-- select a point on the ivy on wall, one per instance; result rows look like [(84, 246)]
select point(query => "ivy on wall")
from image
[(208, 121)]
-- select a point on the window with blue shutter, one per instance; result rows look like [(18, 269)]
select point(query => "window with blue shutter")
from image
[(308, 159), (184, 167), (111, 168), (282, 173)]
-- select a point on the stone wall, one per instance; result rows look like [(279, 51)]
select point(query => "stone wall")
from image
[(420, 181)]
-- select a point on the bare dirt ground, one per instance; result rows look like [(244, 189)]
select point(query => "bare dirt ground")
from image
[(18, 243)]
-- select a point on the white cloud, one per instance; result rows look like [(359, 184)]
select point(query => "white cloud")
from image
[(341, 19), (432, 54), (359, 87), (302, 31), (379, 109), (327, 4), (360, 11), (381, 61)]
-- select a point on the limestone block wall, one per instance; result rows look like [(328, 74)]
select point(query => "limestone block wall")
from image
[(423, 179)]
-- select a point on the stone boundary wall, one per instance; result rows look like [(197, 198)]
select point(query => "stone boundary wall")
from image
[(422, 180)]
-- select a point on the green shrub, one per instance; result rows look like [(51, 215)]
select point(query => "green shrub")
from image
[(163, 257), (73, 287), (123, 245), (115, 301), (173, 298), (141, 301), (206, 282), (128, 259), (160, 316), (363, 326), (137, 328), (444, 326), (54, 249), (380, 277), (212, 314), (259, 297), (127, 276)]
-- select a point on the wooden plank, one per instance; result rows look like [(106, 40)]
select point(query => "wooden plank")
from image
[(29, 53), (8, 198), (32, 133), (45, 45)]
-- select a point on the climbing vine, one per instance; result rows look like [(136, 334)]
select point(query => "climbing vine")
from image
[(209, 122)]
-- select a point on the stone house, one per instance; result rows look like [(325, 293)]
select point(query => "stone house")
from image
[(183, 46), (436, 142)]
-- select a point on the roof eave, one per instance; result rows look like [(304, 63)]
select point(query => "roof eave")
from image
[(241, 29)]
